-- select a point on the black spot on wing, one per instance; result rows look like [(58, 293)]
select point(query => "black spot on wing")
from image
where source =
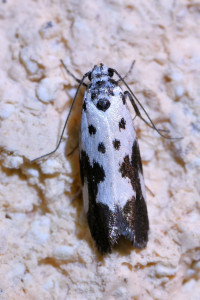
[(93, 173), (93, 95), (127, 170), (101, 148), (116, 144), (99, 217), (136, 158), (84, 106), (136, 207), (103, 104), (91, 129), (122, 124), (132, 168), (123, 99)]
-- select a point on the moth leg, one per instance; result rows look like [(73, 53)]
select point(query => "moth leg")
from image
[(126, 93), (150, 191), (133, 98), (163, 130), (77, 194), (72, 151), (65, 124)]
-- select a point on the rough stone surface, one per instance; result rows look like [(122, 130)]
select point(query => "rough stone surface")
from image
[(46, 251)]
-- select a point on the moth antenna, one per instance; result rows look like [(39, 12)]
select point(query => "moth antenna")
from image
[(65, 124), (71, 74), (129, 71)]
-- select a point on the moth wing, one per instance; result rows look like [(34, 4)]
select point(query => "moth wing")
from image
[(131, 221)]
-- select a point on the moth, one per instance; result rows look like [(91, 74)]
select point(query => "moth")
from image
[(110, 163)]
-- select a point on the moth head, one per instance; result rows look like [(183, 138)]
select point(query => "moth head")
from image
[(98, 72)]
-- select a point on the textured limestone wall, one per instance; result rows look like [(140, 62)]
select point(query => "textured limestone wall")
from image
[(46, 251)]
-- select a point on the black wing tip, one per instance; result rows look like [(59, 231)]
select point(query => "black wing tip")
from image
[(140, 244), (107, 249), (108, 244), (104, 250), (130, 228)]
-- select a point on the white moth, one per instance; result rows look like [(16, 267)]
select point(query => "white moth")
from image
[(110, 162)]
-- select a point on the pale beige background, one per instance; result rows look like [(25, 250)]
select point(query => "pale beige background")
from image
[(46, 251)]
